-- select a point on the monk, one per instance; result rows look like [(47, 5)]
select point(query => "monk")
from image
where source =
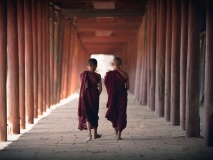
[(117, 84), (88, 106)]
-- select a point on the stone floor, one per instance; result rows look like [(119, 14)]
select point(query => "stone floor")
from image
[(147, 137)]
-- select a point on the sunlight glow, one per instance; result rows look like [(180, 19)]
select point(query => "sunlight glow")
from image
[(104, 63)]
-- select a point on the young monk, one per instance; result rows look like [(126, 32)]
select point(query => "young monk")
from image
[(117, 84), (88, 106)]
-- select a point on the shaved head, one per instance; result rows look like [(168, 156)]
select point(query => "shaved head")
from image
[(92, 62), (117, 61)]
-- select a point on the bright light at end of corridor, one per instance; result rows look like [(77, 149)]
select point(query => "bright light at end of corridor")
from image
[(104, 63)]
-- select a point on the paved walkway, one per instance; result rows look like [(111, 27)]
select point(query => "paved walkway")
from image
[(146, 137)]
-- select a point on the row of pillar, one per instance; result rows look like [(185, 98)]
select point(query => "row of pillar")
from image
[(126, 50), (169, 59), (39, 59), (129, 60)]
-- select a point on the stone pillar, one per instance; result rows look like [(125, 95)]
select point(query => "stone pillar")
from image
[(60, 54), (40, 58), (3, 70), (13, 67), (66, 60), (160, 61), (183, 60), (55, 64), (208, 101), (51, 54), (192, 80), (35, 57), (168, 61), (138, 68), (175, 64), (21, 57), (148, 56), (153, 8), (144, 64), (75, 74), (71, 56), (142, 61), (44, 54), (29, 99), (63, 59), (47, 55), (147, 59)]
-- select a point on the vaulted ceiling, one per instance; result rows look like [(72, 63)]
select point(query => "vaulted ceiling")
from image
[(104, 26)]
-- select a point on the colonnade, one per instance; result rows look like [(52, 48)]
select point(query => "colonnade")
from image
[(169, 56), (41, 58), (37, 44)]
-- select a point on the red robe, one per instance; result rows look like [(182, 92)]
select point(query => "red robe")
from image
[(88, 105), (117, 99)]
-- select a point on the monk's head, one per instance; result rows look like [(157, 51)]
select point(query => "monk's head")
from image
[(92, 64), (117, 62)]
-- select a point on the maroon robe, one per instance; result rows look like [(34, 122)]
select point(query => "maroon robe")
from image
[(117, 99), (88, 105)]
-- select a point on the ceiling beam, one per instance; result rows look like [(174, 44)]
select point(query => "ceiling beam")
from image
[(93, 27), (97, 40), (104, 46), (103, 50), (103, 12)]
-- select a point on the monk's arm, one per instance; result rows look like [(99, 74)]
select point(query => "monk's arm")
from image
[(127, 82), (100, 86)]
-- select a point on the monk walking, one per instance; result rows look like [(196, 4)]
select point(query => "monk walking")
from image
[(88, 106), (117, 84)]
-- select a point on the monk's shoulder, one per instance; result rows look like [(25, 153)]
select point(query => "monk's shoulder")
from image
[(125, 74), (82, 73), (99, 76)]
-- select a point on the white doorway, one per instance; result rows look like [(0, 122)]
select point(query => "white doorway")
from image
[(104, 63)]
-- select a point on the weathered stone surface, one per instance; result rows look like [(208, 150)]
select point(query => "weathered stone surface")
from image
[(146, 137)]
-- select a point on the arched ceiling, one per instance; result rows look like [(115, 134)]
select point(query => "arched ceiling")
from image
[(104, 26)]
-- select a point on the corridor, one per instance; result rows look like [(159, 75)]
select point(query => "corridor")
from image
[(147, 137), (165, 47)]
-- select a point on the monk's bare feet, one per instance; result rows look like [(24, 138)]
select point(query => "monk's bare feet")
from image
[(119, 136), (89, 138), (97, 136), (115, 135)]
